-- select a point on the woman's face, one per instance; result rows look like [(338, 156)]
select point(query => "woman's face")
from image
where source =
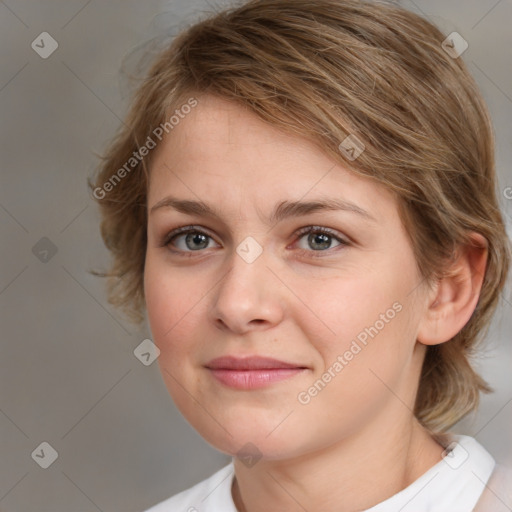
[(336, 310)]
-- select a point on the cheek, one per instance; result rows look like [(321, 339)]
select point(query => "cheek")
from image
[(345, 306), (171, 318), (368, 322), (176, 303), (166, 303)]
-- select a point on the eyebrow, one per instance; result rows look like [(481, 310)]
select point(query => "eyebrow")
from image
[(283, 210)]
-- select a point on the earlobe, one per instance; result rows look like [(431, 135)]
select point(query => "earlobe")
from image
[(454, 297)]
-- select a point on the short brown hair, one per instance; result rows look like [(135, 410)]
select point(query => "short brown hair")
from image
[(325, 70)]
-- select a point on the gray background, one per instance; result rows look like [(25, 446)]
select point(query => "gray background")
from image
[(68, 373)]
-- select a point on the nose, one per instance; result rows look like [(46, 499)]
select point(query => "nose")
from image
[(248, 297)]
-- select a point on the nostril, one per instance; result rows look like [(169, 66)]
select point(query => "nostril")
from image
[(257, 321)]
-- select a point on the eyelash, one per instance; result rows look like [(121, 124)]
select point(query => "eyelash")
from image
[(300, 233)]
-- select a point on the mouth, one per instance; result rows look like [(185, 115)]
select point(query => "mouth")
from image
[(252, 372)]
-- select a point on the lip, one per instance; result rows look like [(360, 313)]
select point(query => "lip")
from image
[(252, 372), (249, 363)]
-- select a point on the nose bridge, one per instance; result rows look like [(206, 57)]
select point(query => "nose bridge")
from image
[(247, 274), (245, 295)]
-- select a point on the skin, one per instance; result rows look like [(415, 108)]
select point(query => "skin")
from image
[(356, 443)]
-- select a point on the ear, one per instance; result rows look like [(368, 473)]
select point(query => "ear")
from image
[(455, 296)]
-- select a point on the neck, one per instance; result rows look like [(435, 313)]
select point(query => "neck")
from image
[(357, 473)]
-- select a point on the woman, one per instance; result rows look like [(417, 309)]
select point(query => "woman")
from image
[(303, 200)]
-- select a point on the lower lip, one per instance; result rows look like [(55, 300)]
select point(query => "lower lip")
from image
[(254, 379)]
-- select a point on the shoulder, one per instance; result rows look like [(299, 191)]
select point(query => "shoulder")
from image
[(211, 495), (497, 496), (454, 484)]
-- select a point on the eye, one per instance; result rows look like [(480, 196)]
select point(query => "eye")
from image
[(319, 239), (190, 239), (187, 239)]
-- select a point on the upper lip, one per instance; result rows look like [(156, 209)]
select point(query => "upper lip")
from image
[(249, 363)]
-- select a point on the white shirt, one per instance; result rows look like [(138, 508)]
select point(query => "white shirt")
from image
[(455, 484)]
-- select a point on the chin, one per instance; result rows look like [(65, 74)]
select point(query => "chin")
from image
[(253, 436)]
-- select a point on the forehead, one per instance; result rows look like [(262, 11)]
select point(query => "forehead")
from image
[(223, 128), (224, 151)]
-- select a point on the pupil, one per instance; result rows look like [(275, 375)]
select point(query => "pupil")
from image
[(322, 239), (196, 238)]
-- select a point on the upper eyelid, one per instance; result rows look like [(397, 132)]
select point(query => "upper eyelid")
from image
[(184, 230)]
